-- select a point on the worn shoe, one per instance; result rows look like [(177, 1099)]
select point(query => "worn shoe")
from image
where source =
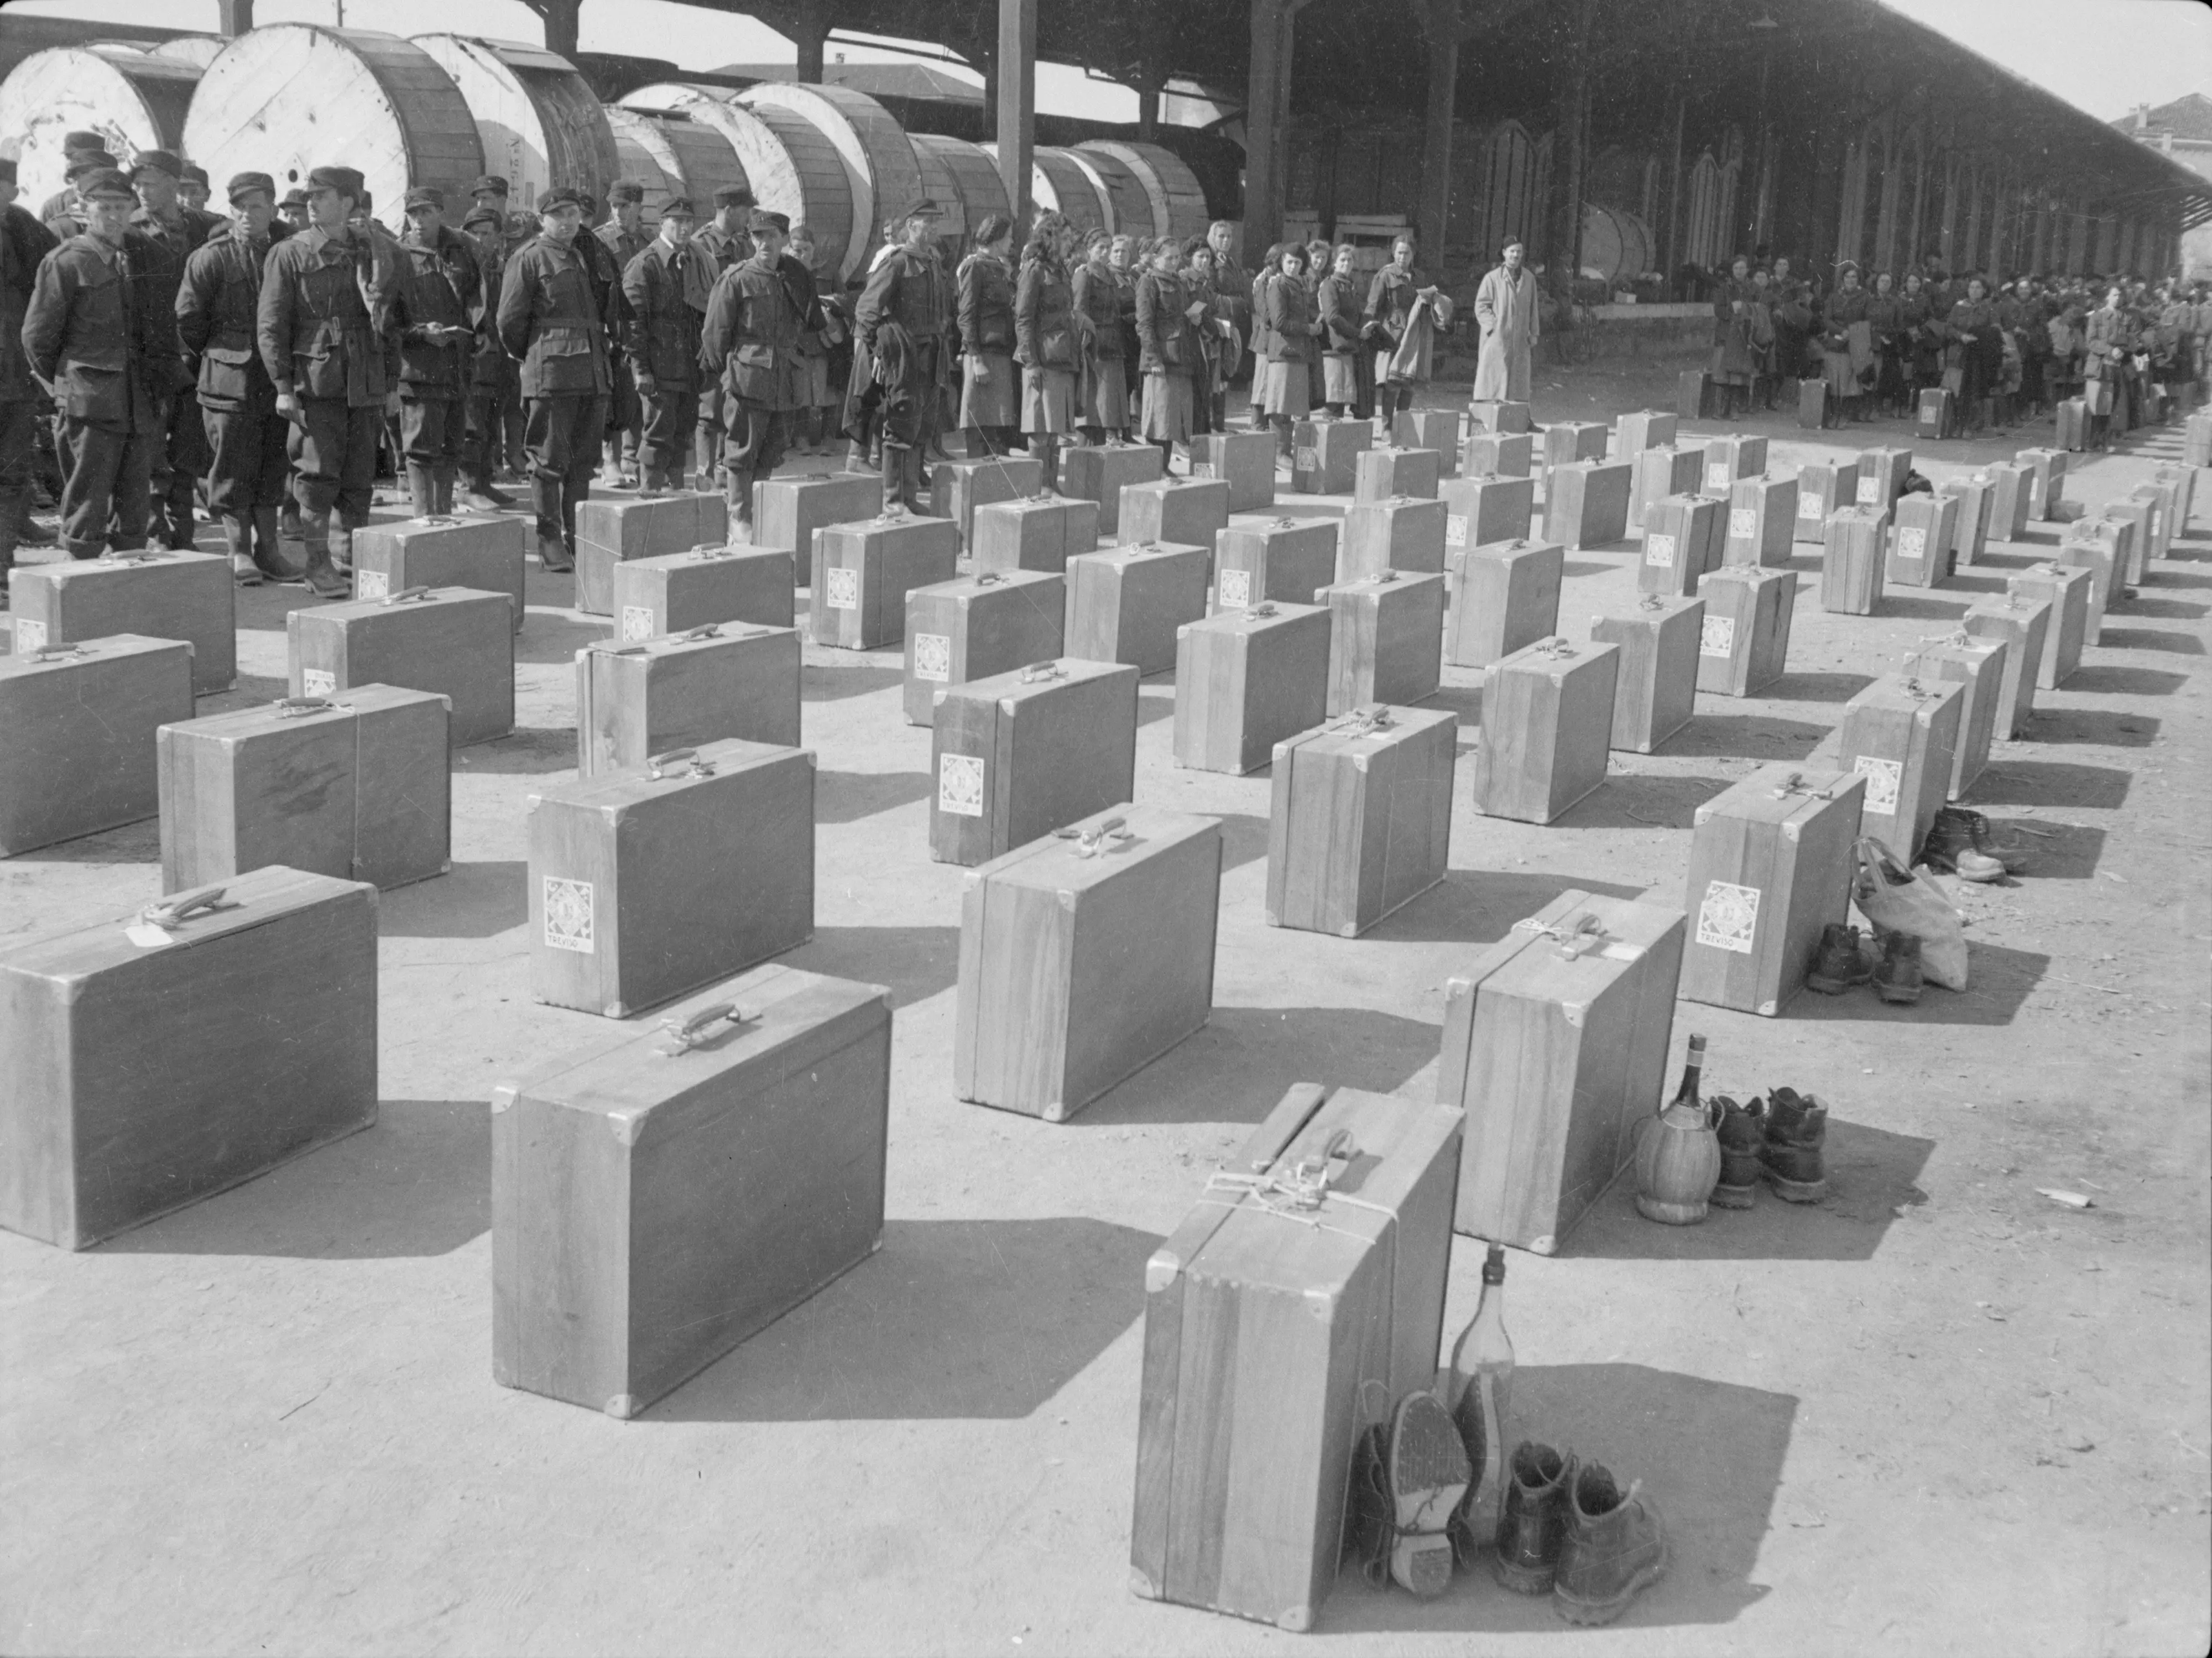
[(1615, 1548), (1897, 976), (553, 556), (1743, 1129), (2011, 853), (1534, 1528), (1429, 1473), (1367, 1529), (1791, 1150), (244, 572), (1951, 849), (1839, 965)]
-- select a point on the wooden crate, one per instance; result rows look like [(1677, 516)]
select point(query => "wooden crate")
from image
[(2046, 481), (454, 641), (1019, 755), (1040, 532), (1555, 1045), (1271, 1348), (977, 626), (161, 1057), (1694, 395), (1822, 488), (863, 572), (1505, 595), (1937, 415), (483, 553), (356, 789), (958, 487), (2067, 590), (1851, 563), (77, 735), (659, 1195), (1500, 417), (1245, 680), (1359, 820), (1970, 537), (1881, 476), (1245, 461), (1404, 533), (722, 681), (1325, 455), (612, 530), (1500, 455), (1386, 639), (1682, 540), (1546, 726), (648, 884), (675, 592), (2139, 515), (1977, 663), (2012, 484), (1771, 867), (1655, 684), (1430, 428), (1187, 511), (1125, 605), (1641, 429), (2023, 623), (1586, 503), (1100, 472), (155, 595), (1662, 470), (787, 511), (1737, 455), (1569, 440), (1743, 643), (1288, 560), (1762, 517), (1392, 473), (1901, 732), (2084, 550), (1083, 956), (1487, 507), (1922, 530), (2073, 421)]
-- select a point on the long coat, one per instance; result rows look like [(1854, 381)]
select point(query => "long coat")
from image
[(1507, 309)]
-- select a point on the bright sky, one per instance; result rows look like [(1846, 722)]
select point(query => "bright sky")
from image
[(2103, 55)]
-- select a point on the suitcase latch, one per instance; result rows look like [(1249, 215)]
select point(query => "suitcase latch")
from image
[(1266, 607), (988, 579), (706, 550), (683, 1034)]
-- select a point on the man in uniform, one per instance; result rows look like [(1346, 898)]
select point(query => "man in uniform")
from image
[(624, 237), (490, 369), (902, 320), (435, 316), (668, 286), (723, 240), (81, 151), (515, 230), (194, 189), (25, 430), (330, 369), (218, 313), (294, 208), (552, 316), (760, 313), (176, 232)]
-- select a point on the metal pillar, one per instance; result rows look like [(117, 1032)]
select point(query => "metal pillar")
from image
[(1016, 78), (809, 30), (233, 18), (1442, 28), (1266, 109)]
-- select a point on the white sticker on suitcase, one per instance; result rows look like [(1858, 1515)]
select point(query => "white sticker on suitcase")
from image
[(372, 584), (1809, 506), (933, 658), (1659, 550), (1454, 530), (1728, 917), (29, 635), (1743, 522), (844, 588), (960, 784), (568, 915), (1201, 469), (1885, 781), (1716, 476), (317, 682), (1869, 490), (1309, 461), (1912, 543), (1717, 636), (1235, 589), (637, 623)]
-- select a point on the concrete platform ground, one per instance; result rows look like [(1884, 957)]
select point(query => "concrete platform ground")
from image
[(1936, 1412)]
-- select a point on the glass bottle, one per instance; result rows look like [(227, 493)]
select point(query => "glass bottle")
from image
[(1480, 1394)]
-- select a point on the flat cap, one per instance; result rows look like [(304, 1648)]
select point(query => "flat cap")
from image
[(623, 191), (761, 219), (98, 161), (197, 174), (295, 197), (678, 207), (489, 216), (733, 196), (160, 160), (107, 181), (489, 181), (425, 195), (72, 141), (240, 183), (344, 179), (560, 196), (924, 207)]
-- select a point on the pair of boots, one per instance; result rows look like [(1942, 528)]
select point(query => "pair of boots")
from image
[(329, 571), (1840, 963), (1780, 1139), (902, 474), (255, 555), (430, 488), (1570, 1531), (1960, 842)]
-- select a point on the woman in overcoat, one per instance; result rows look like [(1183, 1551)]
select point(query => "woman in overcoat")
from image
[(989, 389), (2106, 338), (1735, 359), (1977, 351), (1212, 366), (1290, 335), (1923, 338), (1847, 344), (1347, 371), (1269, 268), (1410, 311), (1886, 320), (1045, 338), (1508, 309), (1167, 351), (1102, 393)]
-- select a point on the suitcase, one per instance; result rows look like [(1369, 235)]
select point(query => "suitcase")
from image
[(650, 883), (973, 627), (77, 725), (1974, 495), (2047, 481), (958, 487), (1771, 867), (1325, 455), (2011, 484), (454, 641), (787, 511), (2140, 517), (1762, 517), (1487, 507), (357, 790), (155, 595), (1040, 532), (1500, 417), (2197, 441), (722, 681), (1901, 734), (1386, 639), (1695, 395), (1851, 563), (2023, 623), (1100, 473), (2067, 590), (1641, 429), (1272, 1347), (2084, 550), (1656, 683), (1360, 818), (1288, 560), (2161, 496), (1404, 533), (1547, 725), (1505, 595), (1664, 469), (675, 592), (1019, 755), (1385, 474), (1743, 643), (612, 530), (659, 1195), (1555, 1044), (1188, 511), (1501, 455), (1245, 680), (2182, 479), (1822, 487), (1881, 476), (1568, 441), (1586, 503), (1937, 415), (1125, 605), (1430, 428), (1977, 664), (1083, 956), (1813, 404), (1739, 455), (160, 1059), (2074, 425), (863, 572), (1245, 461), (440, 552), (1681, 542), (1924, 529)]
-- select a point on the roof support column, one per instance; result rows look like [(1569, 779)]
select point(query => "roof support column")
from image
[(809, 27), (561, 23), (233, 18), (1442, 25), (1016, 63), (1267, 112)]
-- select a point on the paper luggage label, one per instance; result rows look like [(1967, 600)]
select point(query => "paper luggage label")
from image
[(1201, 469), (960, 784), (29, 635), (1717, 636), (1809, 505), (1912, 542), (933, 658), (1309, 459), (1716, 476), (1454, 529), (844, 588), (1728, 917), (1885, 780), (317, 681), (1235, 589), (1743, 522), (568, 915), (637, 623), (1871, 490), (372, 584), (1659, 550)]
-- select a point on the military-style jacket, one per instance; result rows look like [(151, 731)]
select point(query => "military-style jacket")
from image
[(1044, 316), (553, 317), (908, 288), (87, 330), (316, 336), (443, 287), (24, 244), (987, 304), (624, 245), (757, 322), (170, 244), (1097, 296), (218, 306), (1163, 339), (662, 337), (727, 248)]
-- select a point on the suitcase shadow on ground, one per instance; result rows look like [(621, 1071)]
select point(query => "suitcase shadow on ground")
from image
[(1976, 584), (470, 901), (2110, 679), (1240, 1064), (1998, 980), (833, 682), (2104, 727), (557, 636), (2057, 852), (1894, 605), (1578, 568), (1744, 736), (1819, 687), (2165, 609), (949, 1320), (1244, 838), (916, 962), (1465, 703), (1710, 1456), (1644, 801), (527, 748), (1156, 702), (846, 796), (141, 843), (2013, 782), (247, 690), (416, 1181), (1479, 907), (2150, 639)]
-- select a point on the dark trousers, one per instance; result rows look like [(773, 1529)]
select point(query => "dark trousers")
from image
[(247, 468), (430, 430), (333, 453), (913, 419), (757, 435), (480, 454), (564, 438), (625, 414), (107, 494), (181, 458), (707, 452), (671, 419), (19, 419), (513, 424)]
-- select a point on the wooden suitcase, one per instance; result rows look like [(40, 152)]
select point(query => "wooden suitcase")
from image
[(1641, 429), (1822, 488), (1125, 605), (2085, 549), (1977, 662), (2133, 554), (1586, 503), (1395, 473), (1430, 428), (1811, 404), (438, 551), (2183, 482), (722, 681), (977, 626), (2068, 592), (1924, 527), (1682, 540), (1501, 455), (958, 487), (1325, 456), (2074, 425), (155, 595), (1881, 476), (612, 530), (1187, 511), (77, 735), (2013, 484), (1019, 755), (863, 572), (160, 1059), (1694, 395), (2197, 441), (1083, 956), (675, 592), (1567, 440), (1743, 643), (1245, 680), (1289, 560), (787, 511), (1272, 1347), (2161, 496), (1546, 726), (647, 884), (1245, 461), (1386, 639), (1505, 595), (1487, 507), (1359, 819), (454, 641), (1555, 1045), (1901, 734), (1040, 532), (1762, 517), (1738, 455), (2023, 623), (1771, 867), (356, 789), (1851, 563), (1974, 495), (2046, 481), (1664, 469), (659, 1195), (1937, 415), (1101, 472), (1406, 533), (1507, 418), (1655, 684)]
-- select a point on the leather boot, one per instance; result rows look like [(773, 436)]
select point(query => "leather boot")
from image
[(441, 488), (1534, 1526), (1897, 976), (1429, 1473), (570, 499), (894, 473), (553, 556), (1615, 1547), (1837, 965), (547, 506), (323, 578), (1742, 1128), (182, 526), (238, 540), (267, 554), (288, 519), (24, 531), (342, 547), (1796, 1131), (421, 493), (910, 463)]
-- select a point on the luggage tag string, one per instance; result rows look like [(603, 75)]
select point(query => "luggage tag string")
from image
[(1580, 935), (1296, 1193), (1360, 722), (1089, 842), (1795, 784)]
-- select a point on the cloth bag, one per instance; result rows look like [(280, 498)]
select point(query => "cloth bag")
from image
[(1894, 899)]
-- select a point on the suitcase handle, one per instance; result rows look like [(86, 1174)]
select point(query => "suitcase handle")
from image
[(1648, 601), (988, 578), (685, 1034), (1360, 721), (1382, 576), (1284, 524), (659, 765), (1037, 672), (706, 550), (132, 556), (407, 596), (55, 653), (1264, 607), (710, 630), (294, 707), (1088, 842), (177, 911), (1795, 784), (1555, 646), (440, 520)]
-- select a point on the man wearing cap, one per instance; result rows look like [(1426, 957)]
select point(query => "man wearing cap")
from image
[(760, 313), (669, 286), (24, 242), (294, 208), (553, 317), (81, 151), (195, 188), (904, 315), (435, 317), (624, 236), (515, 231), (175, 233), (723, 241), (491, 371)]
